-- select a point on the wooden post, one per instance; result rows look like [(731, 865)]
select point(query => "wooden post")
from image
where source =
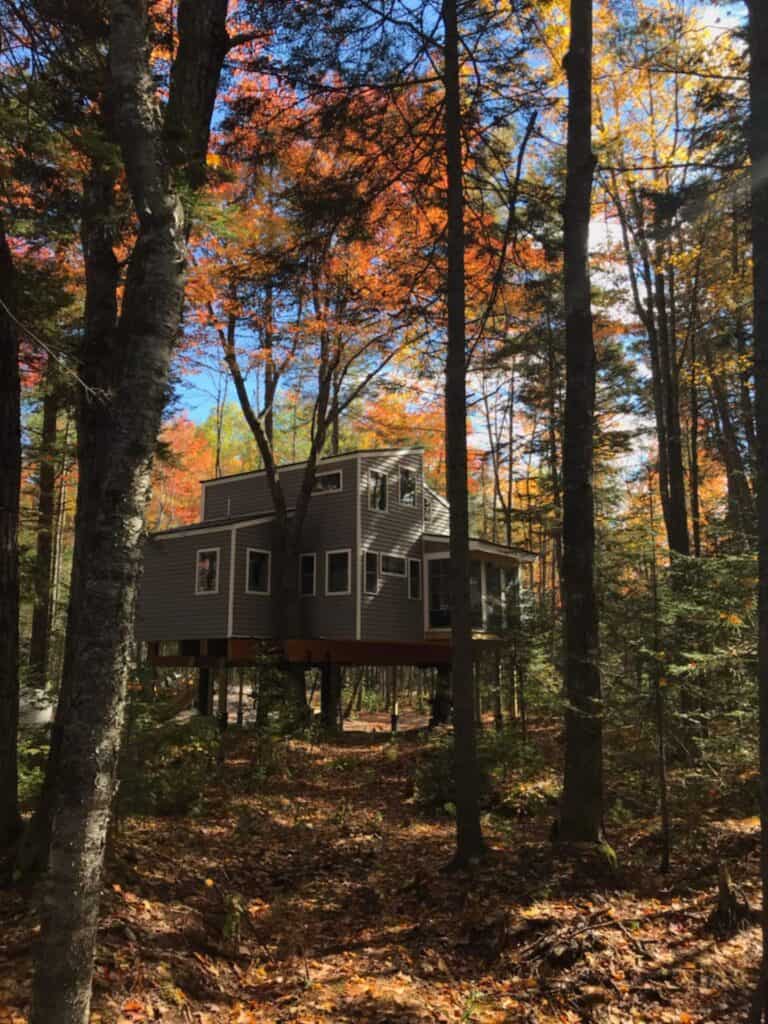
[(330, 697), (395, 705), (441, 702), (204, 700), (223, 696), (240, 674)]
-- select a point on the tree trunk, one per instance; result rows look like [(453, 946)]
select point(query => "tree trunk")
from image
[(469, 840), (694, 450), (126, 362), (758, 140), (38, 642), (581, 810), (10, 483)]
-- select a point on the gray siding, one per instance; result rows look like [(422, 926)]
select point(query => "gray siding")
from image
[(231, 497), (331, 524), (439, 519), (391, 614), (168, 607), (252, 613)]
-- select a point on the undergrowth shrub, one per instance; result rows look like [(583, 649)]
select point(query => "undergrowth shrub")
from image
[(165, 764), (32, 757), (504, 763)]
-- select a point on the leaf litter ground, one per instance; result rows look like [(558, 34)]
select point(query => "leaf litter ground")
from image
[(317, 896)]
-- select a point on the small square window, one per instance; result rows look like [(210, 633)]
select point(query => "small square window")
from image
[(407, 486), (337, 572), (414, 579), (207, 571), (307, 568), (377, 491), (257, 579), (371, 567), (392, 565), (327, 482)]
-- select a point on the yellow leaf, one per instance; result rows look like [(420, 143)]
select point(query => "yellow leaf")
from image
[(209, 883)]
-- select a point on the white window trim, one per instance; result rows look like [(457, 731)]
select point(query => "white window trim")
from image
[(371, 490), (366, 552), (398, 575), (313, 556), (411, 562), (338, 551), (414, 474), (329, 472), (207, 593), (258, 551)]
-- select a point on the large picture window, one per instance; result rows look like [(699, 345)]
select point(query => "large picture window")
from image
[(337, 576), (371, 572), (307, 580), (407, 486), (439, 594), (257, 571), (207, 571), (377, 490)]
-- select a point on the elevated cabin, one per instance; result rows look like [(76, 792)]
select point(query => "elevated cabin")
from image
[(372, 575)]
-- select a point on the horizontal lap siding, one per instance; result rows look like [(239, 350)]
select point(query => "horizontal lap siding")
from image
[(391, 614), (252, 613), (331, 524), (167, 606), (439, 519), (246, 495)]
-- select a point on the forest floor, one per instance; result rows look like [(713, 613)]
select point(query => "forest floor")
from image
[(316, 895)]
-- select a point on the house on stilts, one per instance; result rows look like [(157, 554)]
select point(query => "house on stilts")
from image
[(371, 577)]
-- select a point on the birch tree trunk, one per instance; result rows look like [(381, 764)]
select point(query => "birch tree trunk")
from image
[(125, 362), (581, 810), (469, 840)]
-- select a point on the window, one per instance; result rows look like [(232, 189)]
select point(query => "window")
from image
[(414, 579), (257, 571), (207, 571), (327, 482), (392, 565), (337, 572), (407, 486), (371, 572), (439, 594), (476, 595), (377, 490), (427, 510), (493, 591), (307, 570)]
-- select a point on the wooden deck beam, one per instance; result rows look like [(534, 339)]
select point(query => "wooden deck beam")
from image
[(242, 651)]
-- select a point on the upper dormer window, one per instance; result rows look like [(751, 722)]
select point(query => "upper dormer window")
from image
[(377, 490), (326, 482), (407, 486)]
